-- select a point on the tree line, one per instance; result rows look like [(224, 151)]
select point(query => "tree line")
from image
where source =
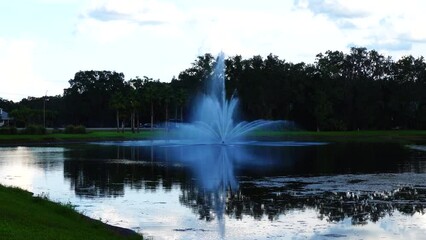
[(359, 90)]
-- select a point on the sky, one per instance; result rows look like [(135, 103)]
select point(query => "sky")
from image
[(43, 43)]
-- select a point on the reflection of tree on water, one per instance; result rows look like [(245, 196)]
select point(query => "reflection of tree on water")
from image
[(215, 192), (333, 207), (364, 207), (93, 173)]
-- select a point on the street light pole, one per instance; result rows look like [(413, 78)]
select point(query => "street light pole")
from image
[(44, 110)]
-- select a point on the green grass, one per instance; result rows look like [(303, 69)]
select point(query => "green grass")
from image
[(403, 136), (89, 136), (23, 216)]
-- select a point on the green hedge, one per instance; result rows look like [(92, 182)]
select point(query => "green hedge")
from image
[(57, 130), (8, 130), (34, 129), (80, 129)]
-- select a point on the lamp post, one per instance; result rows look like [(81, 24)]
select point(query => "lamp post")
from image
[(44, 110)]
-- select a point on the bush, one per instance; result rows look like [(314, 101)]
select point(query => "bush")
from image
[(34, 129), (57, 130), (69, 129), (75, 129), (8, 130), (80, 129)]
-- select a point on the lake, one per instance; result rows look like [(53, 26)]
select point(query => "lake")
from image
[(248, 190)]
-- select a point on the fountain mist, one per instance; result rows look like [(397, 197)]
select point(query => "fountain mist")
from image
[(213, 117)]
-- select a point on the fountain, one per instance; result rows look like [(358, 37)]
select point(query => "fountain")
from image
[(212, 145), (213, 116)]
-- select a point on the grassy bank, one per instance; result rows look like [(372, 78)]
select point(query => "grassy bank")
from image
[(404, 136), (101, 135), (23, 216)]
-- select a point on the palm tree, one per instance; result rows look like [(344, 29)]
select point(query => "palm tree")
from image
[(166, 96), (181, 98), (151, 93), (118, 103), (134, 104)]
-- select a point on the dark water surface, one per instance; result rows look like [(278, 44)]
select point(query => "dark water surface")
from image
[(251, 190)]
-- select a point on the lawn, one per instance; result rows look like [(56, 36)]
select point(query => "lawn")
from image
[(403, 136), (23, 216), (89, 136)]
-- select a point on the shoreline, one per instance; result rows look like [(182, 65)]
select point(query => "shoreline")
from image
[(96, 135), (26, 216), (91, 135)]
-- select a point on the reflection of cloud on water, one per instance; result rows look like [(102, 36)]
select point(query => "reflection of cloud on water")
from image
[(155, 214), (19, 175), (397, 226), (23, 166), (306, 225)]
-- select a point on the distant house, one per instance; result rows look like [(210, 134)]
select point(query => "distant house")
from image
[(4, 118)]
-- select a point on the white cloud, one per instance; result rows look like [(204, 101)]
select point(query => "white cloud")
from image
[(111, 20), (140, 10), (294, 32), (18, 77), (59, 1), (289, 34), (391, 26), (334, 9), (106, 32)]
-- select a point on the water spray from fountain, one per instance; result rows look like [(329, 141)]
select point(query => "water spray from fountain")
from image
[(213, 117)]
